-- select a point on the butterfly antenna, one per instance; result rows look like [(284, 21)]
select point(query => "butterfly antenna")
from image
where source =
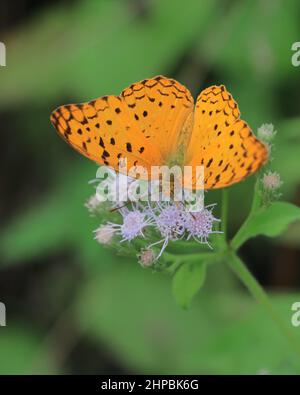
[(119, 207)]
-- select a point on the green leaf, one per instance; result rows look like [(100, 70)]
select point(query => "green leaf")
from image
[(271, 221), (188, 279)]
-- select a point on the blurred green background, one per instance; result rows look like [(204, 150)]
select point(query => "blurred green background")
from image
[(75, 307)]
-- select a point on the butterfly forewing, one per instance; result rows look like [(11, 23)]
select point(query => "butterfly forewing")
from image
[(102, 131), (160, 107), (141, 125)]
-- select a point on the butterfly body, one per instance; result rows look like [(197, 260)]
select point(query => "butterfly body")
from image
[(155, 122)]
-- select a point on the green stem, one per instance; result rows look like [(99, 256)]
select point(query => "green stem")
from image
[(256, 203), (224, 215), (189, 257), (259, 294)]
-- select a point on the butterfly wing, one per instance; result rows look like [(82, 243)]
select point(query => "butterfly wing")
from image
[(221, 141), (141, 125), (160, 107)]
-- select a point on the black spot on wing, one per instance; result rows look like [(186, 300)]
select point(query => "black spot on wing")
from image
[(101, 143)]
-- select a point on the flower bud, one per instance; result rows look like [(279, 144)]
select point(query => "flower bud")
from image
[(266, 132), (104, 234), (271, 180), (92, 204), (146, 257)]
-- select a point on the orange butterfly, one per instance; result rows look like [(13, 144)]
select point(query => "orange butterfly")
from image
[(155, 122)]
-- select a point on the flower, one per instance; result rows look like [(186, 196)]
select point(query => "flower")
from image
[(170, 222), (271, 180), (146, 257), (92, 204), (133, 223), (266, 132), (104, 234), (199, 225)]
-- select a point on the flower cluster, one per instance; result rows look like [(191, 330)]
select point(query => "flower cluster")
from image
[(270, 181), (157, 224)]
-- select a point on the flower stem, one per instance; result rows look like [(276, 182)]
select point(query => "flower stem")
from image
[(224, 215), (190, 257), (256, 202), (260, 295)]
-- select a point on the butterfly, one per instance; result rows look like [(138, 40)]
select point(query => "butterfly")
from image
[(155, 122)]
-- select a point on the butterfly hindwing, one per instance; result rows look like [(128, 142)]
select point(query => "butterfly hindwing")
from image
[(221, 141)]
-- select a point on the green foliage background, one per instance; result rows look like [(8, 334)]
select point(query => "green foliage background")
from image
[(74, 307)]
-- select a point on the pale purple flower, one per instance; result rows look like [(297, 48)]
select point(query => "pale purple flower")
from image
[(199, 225), (169, 221), (134, 221)]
